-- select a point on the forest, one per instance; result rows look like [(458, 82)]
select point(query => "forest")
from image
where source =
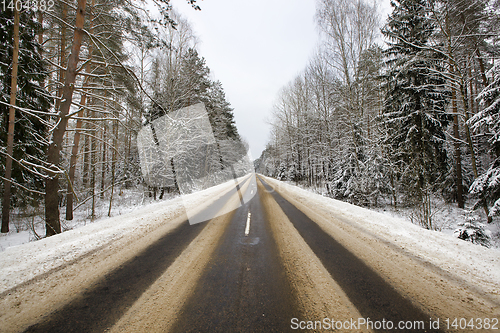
[(400, 110), (79, 80)]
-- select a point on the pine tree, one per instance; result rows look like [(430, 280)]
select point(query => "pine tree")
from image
[(191, 84), (180, 80), (195, 79), (220, 112), (414, 111), (29, 134), (195, 86)]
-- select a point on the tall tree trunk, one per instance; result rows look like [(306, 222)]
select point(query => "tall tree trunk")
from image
[(458, 153), (485, 84), (86, 159), (72, 162), (93, 153), (10, 131), (481, 67), (456, 132), (113, 162), (76, 138), (52, 223), (463, 91), (472, 94), (40, 33), (103, 159), (62, 54)]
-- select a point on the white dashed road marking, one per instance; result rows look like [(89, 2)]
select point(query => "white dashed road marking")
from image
[(247, 228)]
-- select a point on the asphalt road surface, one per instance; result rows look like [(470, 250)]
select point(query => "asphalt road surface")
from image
[(270, 265)]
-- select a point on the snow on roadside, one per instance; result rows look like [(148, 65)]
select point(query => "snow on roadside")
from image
[(21, 263), (478, 265), (28, 225)]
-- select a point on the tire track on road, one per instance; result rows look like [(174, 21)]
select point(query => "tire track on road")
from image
[(99, 307), (372, 296)]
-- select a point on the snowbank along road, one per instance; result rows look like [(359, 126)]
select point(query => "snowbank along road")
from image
[(284, 261)]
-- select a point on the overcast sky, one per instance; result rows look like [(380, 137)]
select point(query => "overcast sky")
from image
[(254, 48)]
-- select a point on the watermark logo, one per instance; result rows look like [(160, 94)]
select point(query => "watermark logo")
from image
[(180, 150), (361, 324)]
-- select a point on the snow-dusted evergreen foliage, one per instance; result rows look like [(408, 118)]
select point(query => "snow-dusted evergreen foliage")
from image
[(30, 127), (487, 121), (473, 231), (414, 111), (181, 79), (194, 86)]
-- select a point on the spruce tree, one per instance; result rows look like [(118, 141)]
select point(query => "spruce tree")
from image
[(416, 97)]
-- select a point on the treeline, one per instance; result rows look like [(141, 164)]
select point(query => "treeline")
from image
[(89, 75), (401, 121)]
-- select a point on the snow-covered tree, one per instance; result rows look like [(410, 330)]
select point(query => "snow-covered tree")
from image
[(473, 231), (464, 31), (414, 111), (487, 185), (350, 29), (323, 129)]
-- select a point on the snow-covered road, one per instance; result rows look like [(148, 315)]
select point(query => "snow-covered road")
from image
[(440, 275)]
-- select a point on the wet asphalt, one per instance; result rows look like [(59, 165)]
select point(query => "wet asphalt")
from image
[(244, 287)]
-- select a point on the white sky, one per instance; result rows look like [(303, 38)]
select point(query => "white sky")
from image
[(254, 48)]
